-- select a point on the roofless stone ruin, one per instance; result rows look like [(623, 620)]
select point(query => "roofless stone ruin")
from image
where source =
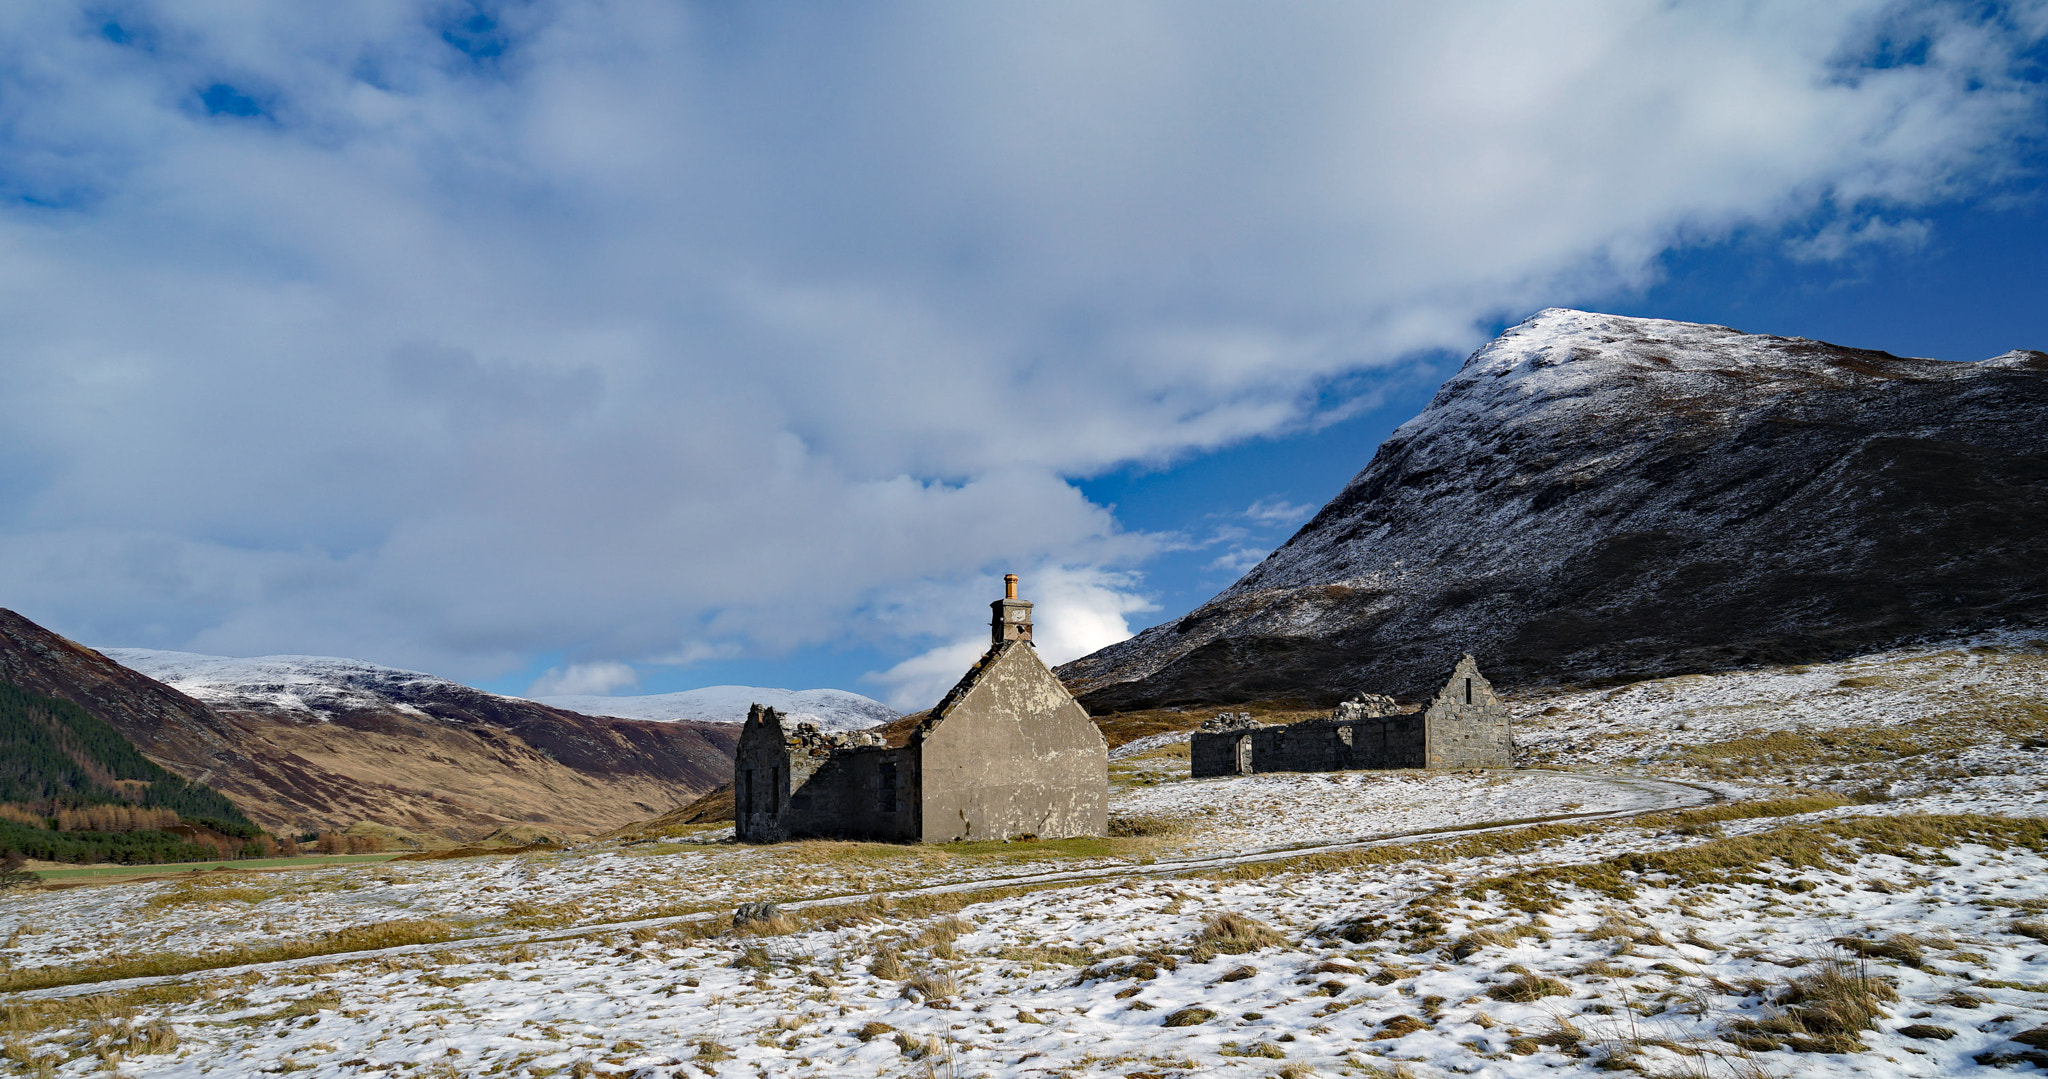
[(1465, 726), (1007, 753)]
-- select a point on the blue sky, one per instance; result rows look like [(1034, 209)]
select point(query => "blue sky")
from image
[(638, 346)]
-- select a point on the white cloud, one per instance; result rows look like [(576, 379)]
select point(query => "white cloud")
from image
[(1277, 511), (1839, 239), (694, 330), (580, 679), (1238, 560), (1074, 611)]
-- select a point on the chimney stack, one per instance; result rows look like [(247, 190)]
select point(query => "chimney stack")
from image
[(1010, 617)]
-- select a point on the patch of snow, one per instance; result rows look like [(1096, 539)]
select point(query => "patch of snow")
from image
[(1147, 744)]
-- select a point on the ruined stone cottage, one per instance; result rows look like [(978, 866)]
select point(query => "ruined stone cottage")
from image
[(1465, 726), (1007, 753)]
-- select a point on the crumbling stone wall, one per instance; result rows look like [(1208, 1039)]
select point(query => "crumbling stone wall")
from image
[(1316, 745), (1465, 726), (791, 782)]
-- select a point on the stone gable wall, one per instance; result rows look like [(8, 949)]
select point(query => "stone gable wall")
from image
[(1014, 755), (1468, 723)]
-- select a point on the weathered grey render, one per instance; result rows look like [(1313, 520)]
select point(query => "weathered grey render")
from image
[(1465, 726), (1007, 753)]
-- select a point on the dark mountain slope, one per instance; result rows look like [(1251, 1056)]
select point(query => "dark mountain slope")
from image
[(394, 747), (1595, 496)]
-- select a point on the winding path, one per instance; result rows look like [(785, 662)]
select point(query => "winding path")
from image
[(1653, 796)]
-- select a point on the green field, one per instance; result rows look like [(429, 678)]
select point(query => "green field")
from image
[(202, 867)]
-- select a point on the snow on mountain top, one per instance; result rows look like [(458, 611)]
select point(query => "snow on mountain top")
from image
[(320, 685), (315, 684), (830, 709)]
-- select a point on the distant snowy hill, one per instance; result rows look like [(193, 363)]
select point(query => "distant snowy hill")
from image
[(316, 684), (831, 709)]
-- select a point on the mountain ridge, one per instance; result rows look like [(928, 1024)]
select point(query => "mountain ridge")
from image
[(830, 709), (1595, 496), (421, 754)]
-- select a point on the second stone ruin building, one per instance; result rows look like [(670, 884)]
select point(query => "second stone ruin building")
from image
[(1007, 753), (1465, 726)]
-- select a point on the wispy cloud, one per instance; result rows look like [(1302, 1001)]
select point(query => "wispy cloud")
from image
[(1841, 238), (1277, 511), (1238, 559), (579, 679)]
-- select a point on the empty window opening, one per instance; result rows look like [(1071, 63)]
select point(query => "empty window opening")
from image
[(1468, 691), (888, 799)]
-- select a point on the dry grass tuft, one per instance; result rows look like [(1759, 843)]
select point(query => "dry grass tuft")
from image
[(1135, 827), (1399, 1026), (933, 985), (1192, 1015), (1900, 947), (1524, 988), (1230, 933), (940, 935), (1824, 1011), (356, 938), (887, 963), (917, 1046)]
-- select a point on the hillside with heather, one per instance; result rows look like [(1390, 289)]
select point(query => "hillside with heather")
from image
[(323, 742), (1593, 497), (308, 744)]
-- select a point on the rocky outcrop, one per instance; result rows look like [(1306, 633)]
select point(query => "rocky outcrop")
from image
[(414, 752), (1593, 497)]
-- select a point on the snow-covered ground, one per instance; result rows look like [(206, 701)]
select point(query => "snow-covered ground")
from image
[(1292, 808), (830, 709), (1907, 722), (1515, 956), (1238, 816), (1737, 939)]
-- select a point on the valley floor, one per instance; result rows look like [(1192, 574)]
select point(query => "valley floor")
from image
[(1869, 897)]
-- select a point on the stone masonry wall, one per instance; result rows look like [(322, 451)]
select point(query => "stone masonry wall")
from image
[(1465, 726), (1317, 745), (1468, 723)]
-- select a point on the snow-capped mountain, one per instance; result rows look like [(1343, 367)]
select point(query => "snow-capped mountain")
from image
[(1596, 496), (831, 709), (315, 685)]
